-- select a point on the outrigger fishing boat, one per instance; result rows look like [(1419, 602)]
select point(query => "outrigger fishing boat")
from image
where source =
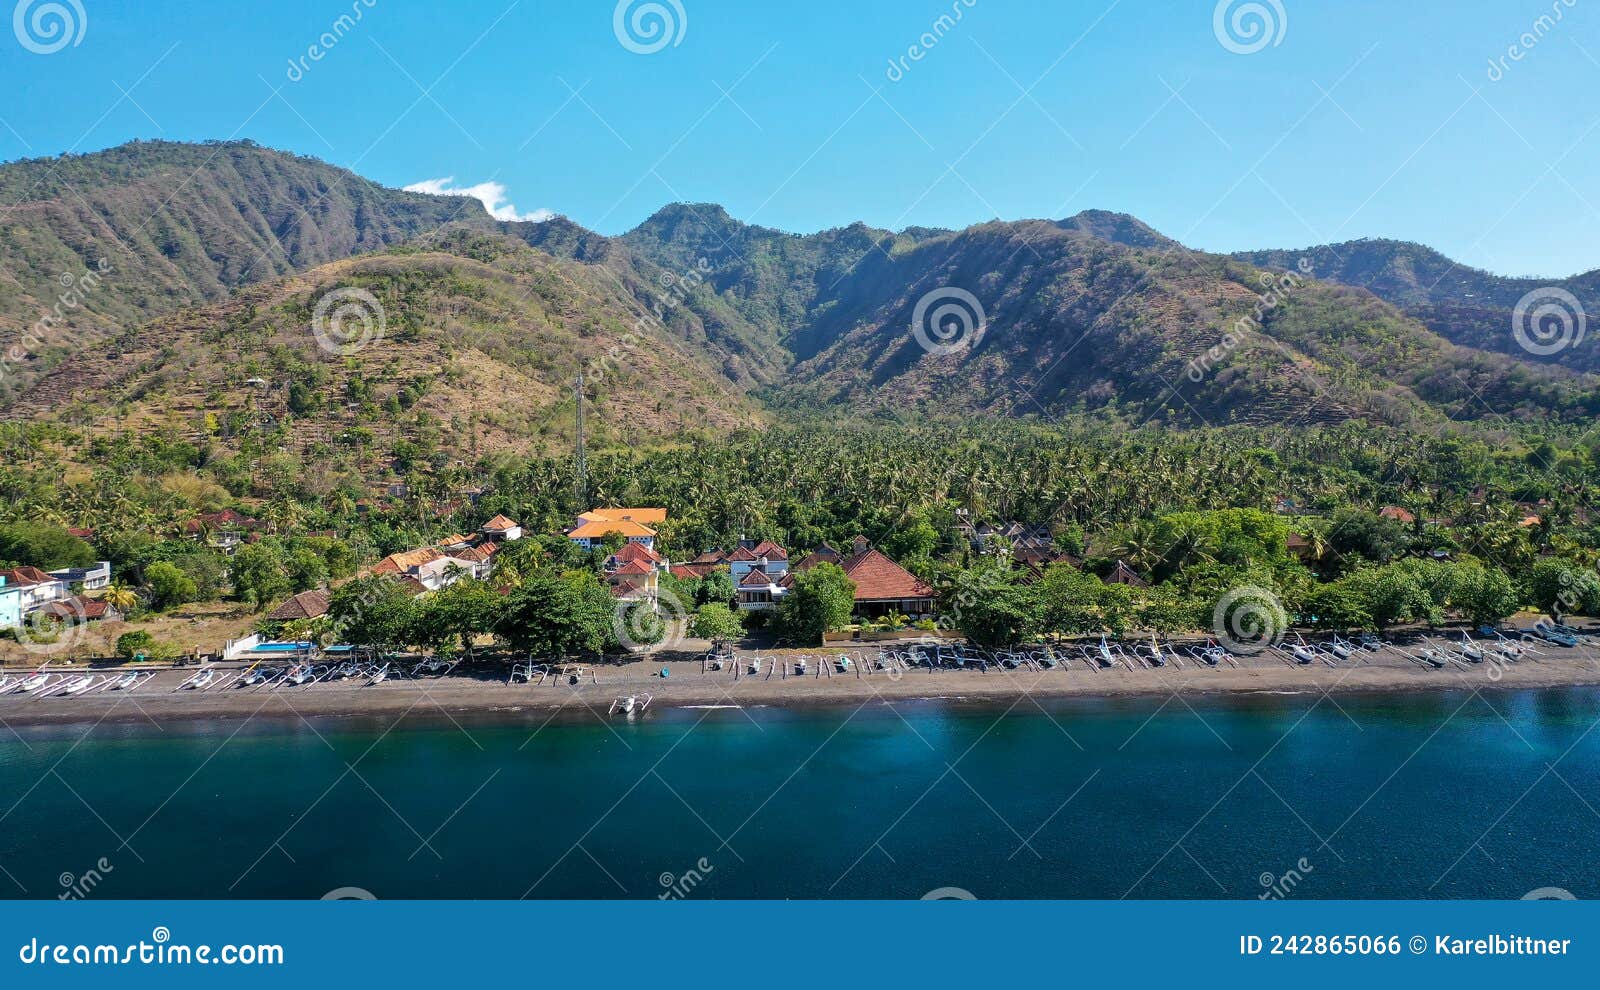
[(33, 683), (1431, 657), (124, 682), (1550, 634), (78, 685), (1342, 648), (633, 704), (379, 676), (200, 681), (1300, 653)]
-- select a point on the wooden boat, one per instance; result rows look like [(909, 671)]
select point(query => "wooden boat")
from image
[(33, 683), (633, 704), (78, 685), (379, 676)]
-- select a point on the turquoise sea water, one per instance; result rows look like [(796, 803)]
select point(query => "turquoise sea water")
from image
[(1443, 795)]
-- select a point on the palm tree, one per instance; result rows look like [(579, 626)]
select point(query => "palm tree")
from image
[(120, 597)]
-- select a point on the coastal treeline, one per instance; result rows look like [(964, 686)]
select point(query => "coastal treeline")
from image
[(1386, 527)]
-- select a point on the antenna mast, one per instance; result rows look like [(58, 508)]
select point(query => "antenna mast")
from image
[(582, 464)]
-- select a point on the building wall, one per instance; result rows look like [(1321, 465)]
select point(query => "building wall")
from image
[(10, 608)]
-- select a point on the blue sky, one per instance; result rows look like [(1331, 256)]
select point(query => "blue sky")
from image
[(1363, 119)]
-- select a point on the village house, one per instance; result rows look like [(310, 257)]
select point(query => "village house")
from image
[(456, 556), (72, 610), (882, 586), (634, 571), (759, 569), (760, 591), (92, 578), (305, 605), (223, 530), (501, 530), (1399, 515), (635, 580), (10, 604), (1123, 574), (38, 588), (633, 525)]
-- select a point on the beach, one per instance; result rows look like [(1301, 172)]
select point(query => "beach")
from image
[(160, 697)]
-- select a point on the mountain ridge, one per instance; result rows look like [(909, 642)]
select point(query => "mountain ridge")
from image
[(1096, 313)]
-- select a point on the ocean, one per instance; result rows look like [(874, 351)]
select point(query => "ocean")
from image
[(1445, 795)]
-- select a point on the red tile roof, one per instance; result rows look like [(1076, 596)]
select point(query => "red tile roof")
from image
[(771, 551), (878, 578), (756, 579), (88, 609), (305, 605), (25, 576), (711, 557), (637, 551), (822, 554), (1397, 513), (696, 571), (500, 522), (634, 567)]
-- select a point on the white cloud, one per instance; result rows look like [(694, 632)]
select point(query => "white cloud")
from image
[(491, 194)]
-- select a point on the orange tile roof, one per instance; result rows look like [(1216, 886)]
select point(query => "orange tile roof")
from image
[(500, 522), (399, 563), (635, 567), (596, 529), (646, 516)]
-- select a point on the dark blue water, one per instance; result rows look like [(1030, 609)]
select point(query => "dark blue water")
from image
[(1440, 795)]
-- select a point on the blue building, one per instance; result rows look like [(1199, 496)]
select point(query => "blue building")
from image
[(10, 605)]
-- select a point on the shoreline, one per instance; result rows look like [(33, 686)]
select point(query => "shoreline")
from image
[(159, 702)]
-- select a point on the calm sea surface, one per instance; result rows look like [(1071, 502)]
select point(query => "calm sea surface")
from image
[(1443, 795)]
